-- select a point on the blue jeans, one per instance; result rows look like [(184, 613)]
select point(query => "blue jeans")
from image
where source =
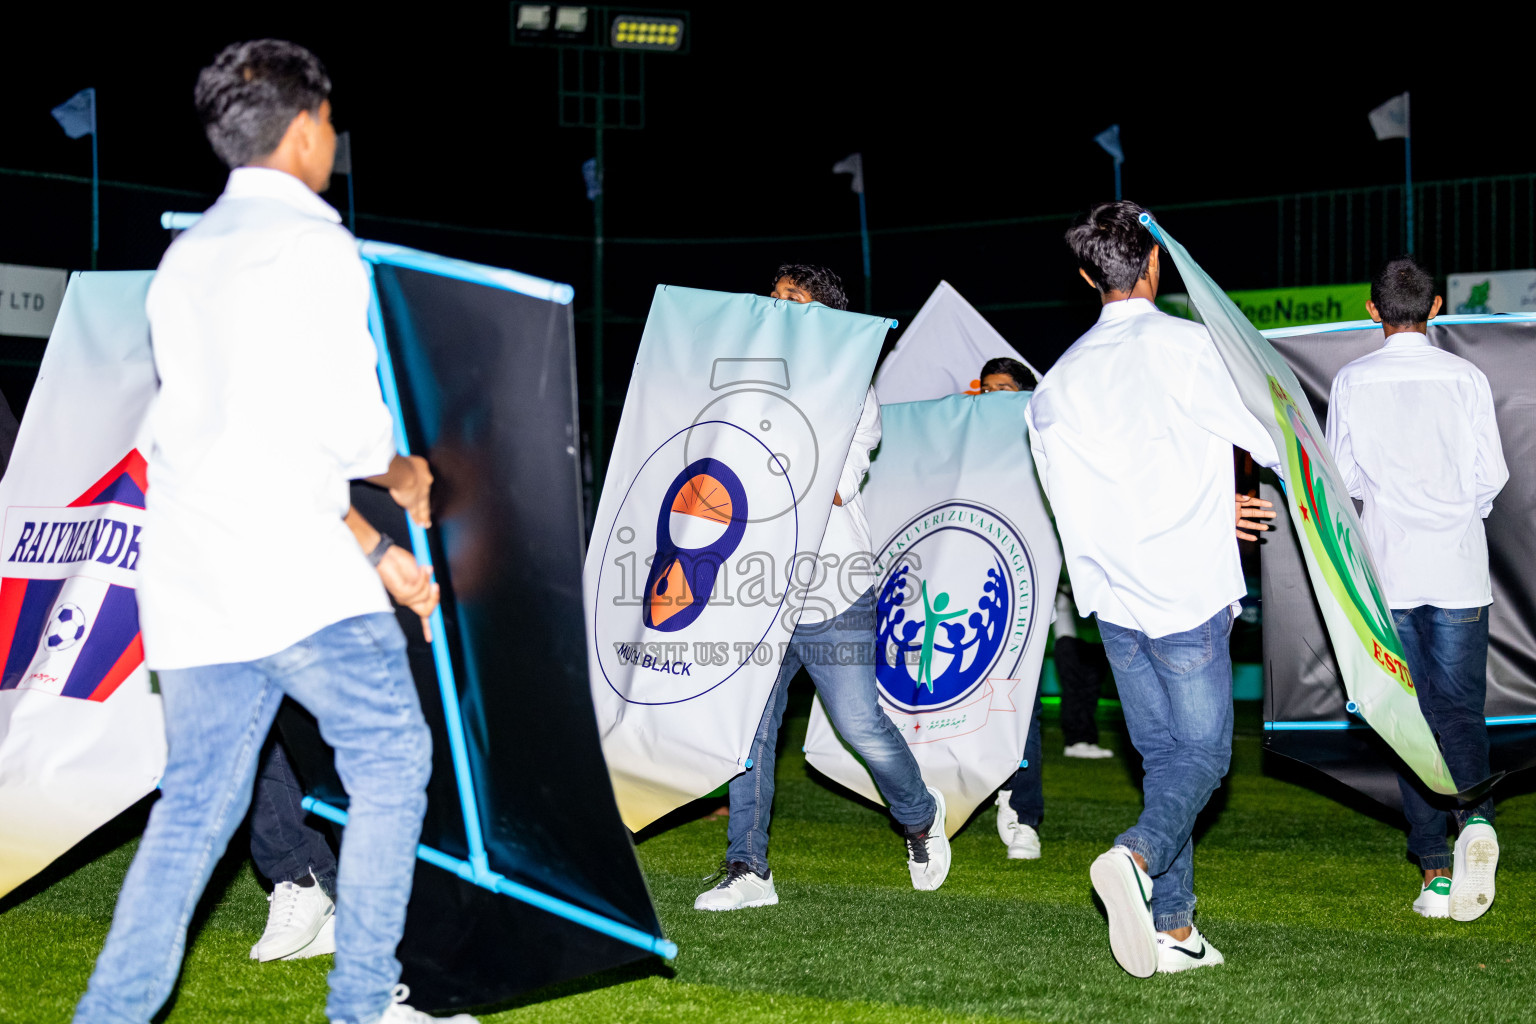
[(1447, 652), (840, 656), (284, 847), (354, 678), (1176, 694), (1026, 795)]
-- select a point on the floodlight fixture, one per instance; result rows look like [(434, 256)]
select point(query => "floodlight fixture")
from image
[(533, 17), (646, 32), (570, 19)]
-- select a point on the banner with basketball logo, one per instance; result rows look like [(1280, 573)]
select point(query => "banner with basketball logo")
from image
[(966, 563), (81, 734), (735, 428)]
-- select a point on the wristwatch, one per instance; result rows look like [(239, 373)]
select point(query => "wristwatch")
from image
[(377, 554)]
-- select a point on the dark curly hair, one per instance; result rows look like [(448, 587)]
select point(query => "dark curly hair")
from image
[(823, 284), (1112, 246), (1012, 367), (252, 91), (1404, 292)]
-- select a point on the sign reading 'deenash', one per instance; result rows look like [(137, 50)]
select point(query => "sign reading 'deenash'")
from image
[(965, 574), (1268, 308), (734, 432)]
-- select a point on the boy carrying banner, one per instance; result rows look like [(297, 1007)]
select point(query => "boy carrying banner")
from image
[(258, 580), (846, 684), (1132, 432), (1413, 433)]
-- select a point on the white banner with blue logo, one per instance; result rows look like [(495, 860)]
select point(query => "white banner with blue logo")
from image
[(81, 733), (735, 427), (966, 561)]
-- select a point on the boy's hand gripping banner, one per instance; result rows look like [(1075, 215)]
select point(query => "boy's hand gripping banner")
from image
[(81, 733), (966, 565), (734, 431), (1343, 573)]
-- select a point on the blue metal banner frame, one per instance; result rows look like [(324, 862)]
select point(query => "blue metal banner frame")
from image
[(477, 869)]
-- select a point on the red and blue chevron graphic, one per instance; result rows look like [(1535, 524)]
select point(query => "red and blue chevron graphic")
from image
[(111, 648)]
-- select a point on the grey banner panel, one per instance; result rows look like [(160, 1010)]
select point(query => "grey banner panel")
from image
[(1301, 677)]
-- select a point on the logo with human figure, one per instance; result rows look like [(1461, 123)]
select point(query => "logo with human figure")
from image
[(955, 606)]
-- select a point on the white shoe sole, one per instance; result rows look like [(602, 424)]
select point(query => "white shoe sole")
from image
[(1472, 878), (1132, 939), (323, 941), (766, 901), (1023, 854)]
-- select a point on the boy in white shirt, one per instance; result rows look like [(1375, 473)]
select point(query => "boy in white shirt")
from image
[(846, 685), (1412, 430), (1132, 432), (257, 578)]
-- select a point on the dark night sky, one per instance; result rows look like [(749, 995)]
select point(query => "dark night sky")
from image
[(966, 114)]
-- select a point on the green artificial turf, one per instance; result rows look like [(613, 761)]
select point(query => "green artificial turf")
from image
[(1307, 898)]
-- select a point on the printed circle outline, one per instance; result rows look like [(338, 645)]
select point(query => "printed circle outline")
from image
[(1029, 561)]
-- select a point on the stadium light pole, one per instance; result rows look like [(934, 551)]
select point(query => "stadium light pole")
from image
[(600, 77)]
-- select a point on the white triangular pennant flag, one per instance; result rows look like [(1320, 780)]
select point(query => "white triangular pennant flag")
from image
[(1390, 120)]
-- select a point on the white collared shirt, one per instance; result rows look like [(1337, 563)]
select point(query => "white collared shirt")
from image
[(269, 404), (1132, 432), (1412, 430), (846, 555)]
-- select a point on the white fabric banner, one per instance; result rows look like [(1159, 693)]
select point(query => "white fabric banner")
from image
[(81, 733), (942, 351), (735, 428), (966, 567)]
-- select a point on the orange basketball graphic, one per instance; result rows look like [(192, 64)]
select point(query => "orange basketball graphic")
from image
[(705, 497)]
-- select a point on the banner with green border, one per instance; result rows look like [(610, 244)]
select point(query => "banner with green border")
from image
[(1343, 574)]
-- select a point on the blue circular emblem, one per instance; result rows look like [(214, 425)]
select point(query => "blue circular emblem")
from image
[(955, 606)]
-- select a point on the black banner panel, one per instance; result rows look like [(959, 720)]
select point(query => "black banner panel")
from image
[(485, 378)]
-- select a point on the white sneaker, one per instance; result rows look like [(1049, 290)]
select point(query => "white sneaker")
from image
[(1007, 817), (295, 920), (740, 888), (1434, 899), (1474, 864), (1174, 955), (1025, 845), (928, 853), (399, 1013), (1088, 751), (1127, 894)]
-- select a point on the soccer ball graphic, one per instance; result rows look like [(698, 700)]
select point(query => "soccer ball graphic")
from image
[(66, 628)]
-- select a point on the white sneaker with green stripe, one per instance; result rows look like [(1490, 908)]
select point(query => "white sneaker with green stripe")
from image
[(1435, 899), (1127, 894), (1474, 864)]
